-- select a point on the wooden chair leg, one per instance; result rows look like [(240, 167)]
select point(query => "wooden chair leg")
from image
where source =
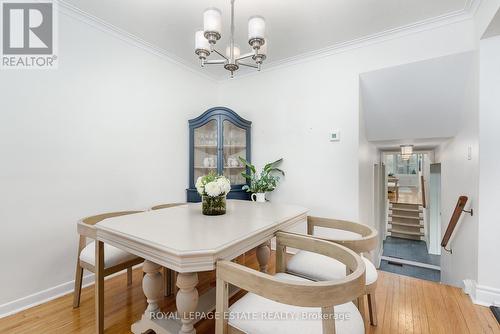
[(78, 285), (372, 309), (79, 273), (129, 276), (174, 288), (99, 287), (167, 282), (361, 306)]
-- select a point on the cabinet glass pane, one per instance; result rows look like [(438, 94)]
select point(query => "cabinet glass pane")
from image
[(235, 145), (205, 149)]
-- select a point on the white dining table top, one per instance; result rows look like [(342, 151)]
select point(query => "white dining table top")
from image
[(182, 233)]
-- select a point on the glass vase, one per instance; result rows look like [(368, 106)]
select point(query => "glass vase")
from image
[(213, 206)]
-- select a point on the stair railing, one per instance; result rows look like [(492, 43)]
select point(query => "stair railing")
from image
[(424, 204), (459, 208)]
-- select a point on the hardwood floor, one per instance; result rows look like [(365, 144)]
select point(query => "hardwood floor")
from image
[(405, 305)]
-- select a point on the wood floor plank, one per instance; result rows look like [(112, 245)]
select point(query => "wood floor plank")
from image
[(405, 305)]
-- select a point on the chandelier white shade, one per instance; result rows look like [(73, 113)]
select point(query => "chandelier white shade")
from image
[(236, 51), (201, 43), (256, 27), (231, 59), (212, 20)]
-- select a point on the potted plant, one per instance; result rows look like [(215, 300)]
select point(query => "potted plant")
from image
[(264, 182), (213, 189)]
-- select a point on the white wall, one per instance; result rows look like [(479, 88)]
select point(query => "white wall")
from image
[(459, 176), (368, 210), (294, 108), (488, 288), (106, 131)]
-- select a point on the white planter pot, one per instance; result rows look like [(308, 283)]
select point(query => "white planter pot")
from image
[(258, 197)]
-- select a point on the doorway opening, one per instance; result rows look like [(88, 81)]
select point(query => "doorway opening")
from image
[(412, 220)]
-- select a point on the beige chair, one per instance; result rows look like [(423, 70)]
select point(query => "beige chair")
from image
[(115, 259), (303, 302), (169, 275), (357, 237)]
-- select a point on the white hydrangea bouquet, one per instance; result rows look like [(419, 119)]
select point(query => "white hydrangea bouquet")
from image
[(213, 189)]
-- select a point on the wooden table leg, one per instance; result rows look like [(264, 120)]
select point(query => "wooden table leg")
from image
[(99, 286), (263, 255), (187, 301), (152, 285)]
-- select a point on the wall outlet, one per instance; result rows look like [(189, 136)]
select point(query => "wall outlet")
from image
[(335, 135)]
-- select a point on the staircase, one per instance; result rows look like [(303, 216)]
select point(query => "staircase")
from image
[(406, 221)]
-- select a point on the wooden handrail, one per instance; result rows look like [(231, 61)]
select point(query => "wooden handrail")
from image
[(424, 204), (459, 208)]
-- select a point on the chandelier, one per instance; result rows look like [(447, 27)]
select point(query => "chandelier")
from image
[(406, 152), (232, 59)]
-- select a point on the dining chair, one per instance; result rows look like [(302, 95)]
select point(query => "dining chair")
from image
[(115, 259), (289, 304), (169, 275), (357, 237)]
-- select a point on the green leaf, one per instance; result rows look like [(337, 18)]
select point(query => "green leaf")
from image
[(271, 165)]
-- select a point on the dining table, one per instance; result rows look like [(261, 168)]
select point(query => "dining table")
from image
[(181, 238)]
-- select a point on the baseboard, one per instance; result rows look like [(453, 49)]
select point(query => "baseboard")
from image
[(481, 294), (42, 297), (47, 295)]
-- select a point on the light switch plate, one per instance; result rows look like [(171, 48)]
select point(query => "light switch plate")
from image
[(335, 135)]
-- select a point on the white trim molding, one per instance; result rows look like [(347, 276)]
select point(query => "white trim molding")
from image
[(74, 12), (49, 294), (481, 294), (42, 297)]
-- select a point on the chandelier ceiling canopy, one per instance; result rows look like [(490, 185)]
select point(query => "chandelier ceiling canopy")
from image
[(231, 59)]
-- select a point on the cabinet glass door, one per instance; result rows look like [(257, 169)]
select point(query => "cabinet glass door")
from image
[(235, 146), (205, 149)]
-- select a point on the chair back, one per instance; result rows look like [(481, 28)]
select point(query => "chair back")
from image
[(92, 220), (323, 294), (367, 242), (165, 206)]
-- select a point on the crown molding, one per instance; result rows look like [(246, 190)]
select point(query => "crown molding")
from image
[(467, 12), (76, 13)]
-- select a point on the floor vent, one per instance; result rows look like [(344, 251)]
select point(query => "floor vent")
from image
[(496, 312)]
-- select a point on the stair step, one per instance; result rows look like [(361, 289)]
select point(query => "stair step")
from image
[(406, 224), (406, 232), (406, 206), (407, 210), (405, 217)]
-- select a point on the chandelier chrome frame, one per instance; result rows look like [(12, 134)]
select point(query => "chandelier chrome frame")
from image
[(232, 60)]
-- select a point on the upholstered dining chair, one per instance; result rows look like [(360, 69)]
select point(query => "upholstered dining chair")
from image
[(169, 275), (357, 237), (309, 307), (115, 259)]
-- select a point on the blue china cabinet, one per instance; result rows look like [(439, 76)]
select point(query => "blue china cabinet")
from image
[(216, 139)]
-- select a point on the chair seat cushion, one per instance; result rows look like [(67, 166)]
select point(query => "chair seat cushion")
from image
[(258, 315), (323, 268), (112, 255)]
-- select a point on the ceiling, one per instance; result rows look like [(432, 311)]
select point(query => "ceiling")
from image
[(294, 27), (426, 144), (494, 27), (424, 101)]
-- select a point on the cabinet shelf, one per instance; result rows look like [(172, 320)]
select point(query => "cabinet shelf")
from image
[(206, 146)]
